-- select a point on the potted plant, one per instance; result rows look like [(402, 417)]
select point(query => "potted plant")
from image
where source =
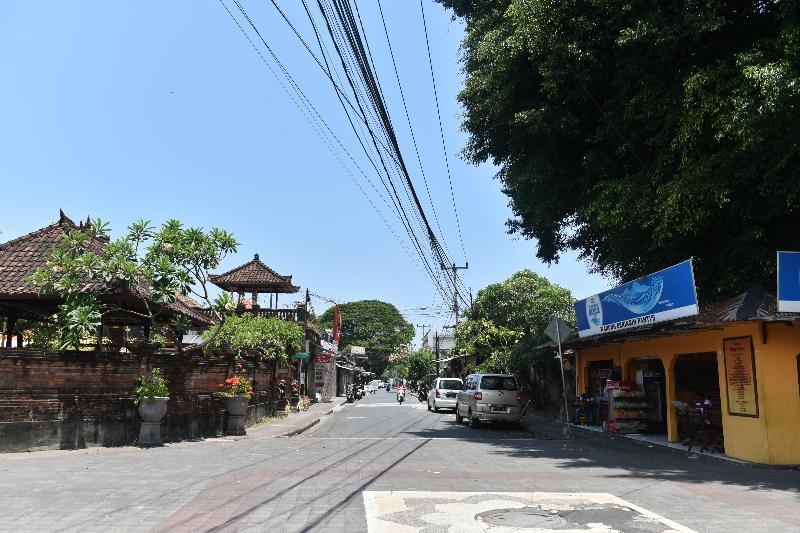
[(237, 390), (151, 395)]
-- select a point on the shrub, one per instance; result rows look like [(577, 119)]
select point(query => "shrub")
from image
[(147, 388)]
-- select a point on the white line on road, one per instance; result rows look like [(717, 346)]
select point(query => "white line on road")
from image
[(504, 439), (352, 417)]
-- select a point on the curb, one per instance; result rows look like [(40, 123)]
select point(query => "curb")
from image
[(567, 433), (306, 427)]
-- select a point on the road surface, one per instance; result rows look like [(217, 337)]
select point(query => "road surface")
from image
[(375, 465)]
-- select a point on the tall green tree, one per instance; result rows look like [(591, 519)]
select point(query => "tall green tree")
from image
[(509, 319), (641, 133), (155, 265), (420, 364), (376, 325)]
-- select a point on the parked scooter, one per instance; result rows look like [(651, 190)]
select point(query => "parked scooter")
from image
[(358, 392), (422, 395), (351, 397)]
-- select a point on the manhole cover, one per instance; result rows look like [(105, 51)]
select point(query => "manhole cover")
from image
[(524, 517)]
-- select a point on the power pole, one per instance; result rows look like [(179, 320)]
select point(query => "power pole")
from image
[(437, 354), (422, 332), (454, 269)]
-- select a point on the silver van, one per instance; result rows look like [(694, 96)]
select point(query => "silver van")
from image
[(489, 398)]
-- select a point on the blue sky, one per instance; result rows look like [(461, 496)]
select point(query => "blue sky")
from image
[(127, 110)]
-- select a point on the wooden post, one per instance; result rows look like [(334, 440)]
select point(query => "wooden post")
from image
[(11, 321)]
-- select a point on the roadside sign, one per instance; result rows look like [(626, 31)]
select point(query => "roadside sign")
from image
[(357, 350), (788, 282), (558, 330), (664, 295), (303, 356)]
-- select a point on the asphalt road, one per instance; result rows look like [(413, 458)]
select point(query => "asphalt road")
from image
[(388, 467)]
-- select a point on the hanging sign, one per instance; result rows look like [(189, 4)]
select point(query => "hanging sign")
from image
[(740, 376), (665, 295), (323, 358), (789, 282)]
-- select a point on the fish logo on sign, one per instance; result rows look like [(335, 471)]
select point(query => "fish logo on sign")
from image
[(594, 310), (639, 298)]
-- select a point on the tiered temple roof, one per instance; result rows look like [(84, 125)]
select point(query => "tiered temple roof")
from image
[(254, 276)]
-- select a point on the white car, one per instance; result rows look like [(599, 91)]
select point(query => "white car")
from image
[(444, 393)]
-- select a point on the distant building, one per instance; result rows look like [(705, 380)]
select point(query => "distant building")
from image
[(445, 342)]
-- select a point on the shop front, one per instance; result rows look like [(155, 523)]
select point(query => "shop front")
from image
[(737, 363)]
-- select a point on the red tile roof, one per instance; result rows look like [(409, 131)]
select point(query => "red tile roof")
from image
[(20, 257), (254, 276)]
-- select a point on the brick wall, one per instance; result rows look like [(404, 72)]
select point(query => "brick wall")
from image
[(79, 399)]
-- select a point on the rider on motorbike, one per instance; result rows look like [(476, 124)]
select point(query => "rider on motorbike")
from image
[(401, 392)]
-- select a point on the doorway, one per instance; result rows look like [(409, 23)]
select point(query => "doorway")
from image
[(649, 375)]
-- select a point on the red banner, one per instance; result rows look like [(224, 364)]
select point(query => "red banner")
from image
[(323, 358), (337, 324)]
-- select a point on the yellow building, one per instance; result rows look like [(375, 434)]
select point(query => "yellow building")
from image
[(741, 354)]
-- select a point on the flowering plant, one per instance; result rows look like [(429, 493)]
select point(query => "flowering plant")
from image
[(237, 385), (148, 388)]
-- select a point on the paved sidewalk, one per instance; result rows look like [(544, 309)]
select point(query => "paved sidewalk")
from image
[(545, 427), (295, 423)]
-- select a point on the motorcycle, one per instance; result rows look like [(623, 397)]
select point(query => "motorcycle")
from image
[(423, 395), (350, 394), (358, 392), (401, 395)]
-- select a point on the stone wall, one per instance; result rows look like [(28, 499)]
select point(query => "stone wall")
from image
[(73, 399)]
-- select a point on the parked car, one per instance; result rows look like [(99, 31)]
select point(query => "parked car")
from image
[(443, 393), (489, 398)]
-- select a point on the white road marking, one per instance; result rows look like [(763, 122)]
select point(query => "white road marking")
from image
[(496, 512), (502, 439), (352, 417), (393, 404)]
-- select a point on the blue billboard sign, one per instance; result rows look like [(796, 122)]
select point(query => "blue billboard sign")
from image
[(665, 295), (789, 282)]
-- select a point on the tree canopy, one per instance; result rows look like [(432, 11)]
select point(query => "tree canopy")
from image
[(376, 325), (641, 133), (506, 314), (155, 265)]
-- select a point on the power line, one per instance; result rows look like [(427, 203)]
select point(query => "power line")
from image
[(306, 108), (441, 129)]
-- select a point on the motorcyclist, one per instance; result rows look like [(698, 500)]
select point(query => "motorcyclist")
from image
[(401, 392)]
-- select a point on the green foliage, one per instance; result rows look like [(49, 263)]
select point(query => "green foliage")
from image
[(640, 134), (270, 338), (237, 385), (155, 265), (40, 334), (420, 364), (79, 319), (149, 387), (376, 325), (509, 319)]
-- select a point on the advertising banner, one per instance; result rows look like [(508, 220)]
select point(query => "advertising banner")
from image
[(665, 295), (789, 282), (740, 376), (323, 358)]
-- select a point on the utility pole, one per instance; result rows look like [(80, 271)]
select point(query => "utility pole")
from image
[(454, 269), (437, 354), (422, 332)]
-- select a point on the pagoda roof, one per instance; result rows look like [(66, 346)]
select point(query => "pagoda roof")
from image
[(254, 276)]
